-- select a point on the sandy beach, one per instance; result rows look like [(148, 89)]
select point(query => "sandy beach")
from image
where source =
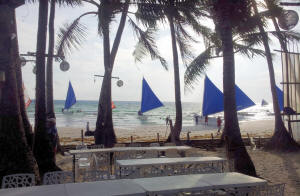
[(276, 168), (72, 135)]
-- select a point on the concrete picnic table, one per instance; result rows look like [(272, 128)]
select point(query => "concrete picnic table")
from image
[(140, 167), (113, 150)]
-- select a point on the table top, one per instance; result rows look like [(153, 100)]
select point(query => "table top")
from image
[(140, 186), (167, 161), (172, 184), (127, 149), (49, 190), (105, 188)]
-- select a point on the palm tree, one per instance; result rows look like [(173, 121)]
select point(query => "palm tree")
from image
[(230, 18), (176, 13), (281, 140), (49, 73), (16, 155), (42, 149), (229, 15)]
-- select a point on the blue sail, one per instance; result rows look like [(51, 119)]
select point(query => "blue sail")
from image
[(213, 99), (280, 98), (242, 100), (149, 99), (71, 99)]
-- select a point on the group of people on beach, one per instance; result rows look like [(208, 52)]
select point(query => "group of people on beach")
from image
[(219, 121)]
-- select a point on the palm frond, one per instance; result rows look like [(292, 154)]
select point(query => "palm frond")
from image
[(196, 69), (71, 35), (287, 35), (69, 2), (149, 13), (248, 50), (61, 2), (146, 44), (183, 38)]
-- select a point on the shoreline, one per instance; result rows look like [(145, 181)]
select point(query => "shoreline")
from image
[(72, 135)]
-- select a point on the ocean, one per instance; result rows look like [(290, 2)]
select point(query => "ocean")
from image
[(125, 114)]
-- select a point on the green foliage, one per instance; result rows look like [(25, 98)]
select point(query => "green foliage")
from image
[(196, 68), (71, 35), (60, 2), (146, 44)]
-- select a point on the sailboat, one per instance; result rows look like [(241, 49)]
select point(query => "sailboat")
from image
[(149, 100), (70, 100), (264, 103), (213, 99)]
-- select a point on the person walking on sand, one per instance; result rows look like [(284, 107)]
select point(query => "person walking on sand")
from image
[(219, 122), (206, 120), (52, 133)]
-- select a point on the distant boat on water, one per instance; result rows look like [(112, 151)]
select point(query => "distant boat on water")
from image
[(149, 100), (264, 103), (70, 101)]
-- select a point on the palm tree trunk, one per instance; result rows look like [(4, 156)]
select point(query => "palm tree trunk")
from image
[(104, 133), (16, 156), (236, 151), (281, 140), (49, 79), (43, 151), (118, 37), (178, 121), (26, 124)]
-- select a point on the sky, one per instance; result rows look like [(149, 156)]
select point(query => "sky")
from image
[(252, 75)]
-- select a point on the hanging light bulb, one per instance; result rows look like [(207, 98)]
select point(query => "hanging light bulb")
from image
[(64, 66), (23, 61), (288, 20), (34, 69), (119, 83)]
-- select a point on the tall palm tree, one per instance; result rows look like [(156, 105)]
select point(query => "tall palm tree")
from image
[(229, 15), (176, 14), (16, 155), (281, 140), (42, 149), (49, 72)]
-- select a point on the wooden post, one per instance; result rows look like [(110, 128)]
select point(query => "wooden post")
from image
[(131, 139), (82, 136), (188, 136), (212, 139), (157, 134), (249, 138)]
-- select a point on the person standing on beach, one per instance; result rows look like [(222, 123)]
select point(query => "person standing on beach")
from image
[(196, 117), (88, 132), (206, 120), (219, 122), (52, 133)]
